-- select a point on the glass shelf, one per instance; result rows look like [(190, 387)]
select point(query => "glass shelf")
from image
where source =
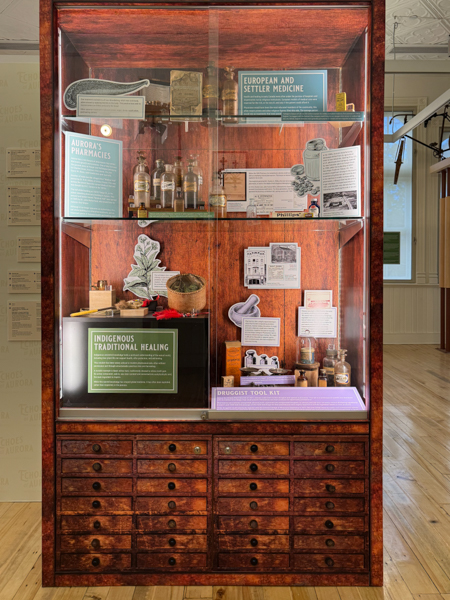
[(201, 216)]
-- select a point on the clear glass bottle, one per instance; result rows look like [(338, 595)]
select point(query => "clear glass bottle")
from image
[(178, 171), (252, 209), (342, 371), (329, 362), (314, 208), (190, 188), (323, 378), (156, 181), (131, 207), (306, 349), (217, 197), (199, 173), (230, 96), (167, 187), (141, 181), (210, 91), (302, 381)]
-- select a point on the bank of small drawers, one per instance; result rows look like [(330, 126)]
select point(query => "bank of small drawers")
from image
[(210, 503)]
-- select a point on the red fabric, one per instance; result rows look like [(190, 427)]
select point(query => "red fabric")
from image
[(169, 313)]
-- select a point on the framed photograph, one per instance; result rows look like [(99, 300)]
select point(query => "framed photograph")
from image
[(234, 185)]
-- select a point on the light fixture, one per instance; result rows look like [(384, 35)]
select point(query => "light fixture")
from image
[(106, 130)]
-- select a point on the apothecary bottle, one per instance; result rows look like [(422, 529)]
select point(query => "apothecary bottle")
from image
[(190, 188), (210, 91), (167, 187), (329, 362), (322, 381), (252, 209), (306, 349), (198, 171), (342, 371), (178, 171), (156, 180), (311, 158), (230, 96), (314, 208), (302, 381), (141, 181), (217, 197)]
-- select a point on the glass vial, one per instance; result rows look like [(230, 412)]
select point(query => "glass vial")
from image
[(210, 90), (199, 173), (323, 378), (190, 188), (178, 171), (230, 96), (156, 181), (329, 363), (306, 350), (342, 371), (302, 381), (167, 187), (141, 181), (217, 197), (252, 209)]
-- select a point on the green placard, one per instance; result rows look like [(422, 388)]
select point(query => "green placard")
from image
[(391, 248), (133, 361)]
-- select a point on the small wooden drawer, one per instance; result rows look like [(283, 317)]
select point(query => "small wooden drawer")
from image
[(95, 542), (329, 449), (250, 561), (95, 562), (96, 465), (336, 505), (172, 561), (249, 505), (254, 542), (95, 505), (256, 486), (329, 543), (328, 562), (193, 524), (254, 448), (96, 446), (254, 523), (100, 485), (173, 542), (332, 523), (330, 487), (96, 524), (252, 468), (172, 447), (325, 468), (170, 505), (172, 486), (171, 467)]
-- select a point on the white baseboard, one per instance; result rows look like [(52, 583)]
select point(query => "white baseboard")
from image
[(411, 338)]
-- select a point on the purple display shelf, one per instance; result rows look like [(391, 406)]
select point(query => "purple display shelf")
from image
[(290, 403)]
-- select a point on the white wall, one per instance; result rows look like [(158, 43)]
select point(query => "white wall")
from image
[(412, 310)]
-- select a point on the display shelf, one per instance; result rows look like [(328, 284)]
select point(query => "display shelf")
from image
[(202, 216)]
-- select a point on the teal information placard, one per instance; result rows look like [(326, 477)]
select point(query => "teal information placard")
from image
[(275, 92), (133, 361), (93, 177)]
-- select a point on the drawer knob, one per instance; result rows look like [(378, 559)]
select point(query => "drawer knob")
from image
[(227, 450), (171, 485), (95, 562), (253, 542), (171, 524), (330, 488), (330, 468), (95, 543), (172, 505), (97, 485), (253, 486), (329, 524), (197, 449), (172, 447), (329, 505), (253, 505), (96, 504), (97, 524), (254, 561), (97, 467), (254, 524), (172, 561), (172, 542), (329, 543), (253, 448), (172, 467), (329, 561), (253, 467), (96, 448), (330, 448)]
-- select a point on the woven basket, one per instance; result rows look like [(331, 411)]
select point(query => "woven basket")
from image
[(185, 302)]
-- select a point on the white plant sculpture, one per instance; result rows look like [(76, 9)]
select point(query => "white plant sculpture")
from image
[(139, 280)]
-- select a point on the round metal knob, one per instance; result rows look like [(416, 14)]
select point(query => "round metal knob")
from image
[(97, 524), (172, 447), (329, 448), (330, 488), (97, 467), (172, 542), (329, 524), (227, 450), (197, 449), (172, 505), (253, 542), (96, 447), (253, 448), (253, 467), (253, 486), (329, 561), (254, 561), (329, 505), (95, 562), (95, 543), (97, 485), (171, 485), (329, 543), (172, 561), (330, 468), (253, 505), (96, 504), (171, 524), (172, 467), (254, 524)]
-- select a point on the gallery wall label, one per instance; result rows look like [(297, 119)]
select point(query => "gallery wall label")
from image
[(24, 282), (23, 163), (29, 249), (24, 205), (24, 321)]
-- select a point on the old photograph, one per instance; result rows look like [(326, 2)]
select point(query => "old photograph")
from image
[(340, 201), (283, 253)]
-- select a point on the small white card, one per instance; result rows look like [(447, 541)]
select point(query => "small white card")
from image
[(29, 249), (317, 322), (23, 163), (24, 321), (24, 282), (264, 331), (111, 107), (159, 281), (24, 205), (318, 299)]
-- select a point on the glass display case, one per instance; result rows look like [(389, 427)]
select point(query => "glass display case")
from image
[(212, 275)]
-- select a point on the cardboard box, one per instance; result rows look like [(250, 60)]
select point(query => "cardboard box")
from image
[(134, 312), (101, 299), (232, 361)]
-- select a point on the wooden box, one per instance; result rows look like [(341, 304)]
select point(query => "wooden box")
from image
[(101, 299)]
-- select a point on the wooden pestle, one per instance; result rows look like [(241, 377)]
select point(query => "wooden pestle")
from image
[(248, 305)]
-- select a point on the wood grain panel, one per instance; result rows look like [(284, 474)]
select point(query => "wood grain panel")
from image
[(328, 505), (161, 505), (311, 562), (243, 562), (244, 542), (161, 486), (328, 487), (96, 524), (96, 446), (172, 523), (249, 505), (325, 524), (254, 448), (264, 467), (182, 467), (263, 486), (106, 562), (159, 542), (181, 447), (162, 561), (99, 486), (95, 505), (355, 543), (254, 523), (325, 468), (86, 465), (71, 543), (330, 448)]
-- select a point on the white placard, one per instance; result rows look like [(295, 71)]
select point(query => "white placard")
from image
[(24, 205), (24, 282), (23, 163), (29, 249), (341, 182), (317, 322), (264, 331), (159, 280), (111, 107), (318, 299), (157, 93), (275, 267), (24, 321)]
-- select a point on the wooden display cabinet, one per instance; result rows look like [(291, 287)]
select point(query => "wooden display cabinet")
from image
[(161, 489)]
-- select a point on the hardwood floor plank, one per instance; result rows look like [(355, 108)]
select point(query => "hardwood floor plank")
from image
[(277, 593), (229, 592), (143, 593), (303, 593), (31, 584), (327, 593), (121, 593), (191, 591), (349, 593), (98, 593)]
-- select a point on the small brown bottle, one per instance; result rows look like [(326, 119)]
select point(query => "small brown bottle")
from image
[(302, 381), (323, 378), (142, 211)]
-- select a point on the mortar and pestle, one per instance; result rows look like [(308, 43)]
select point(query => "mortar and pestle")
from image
[(242, 310)]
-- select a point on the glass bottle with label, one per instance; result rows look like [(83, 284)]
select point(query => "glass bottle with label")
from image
[(342, 371), (199, 173), (230, 96), (217, 197), (210, 90), (156, 181), (314, 208), (252, 209), (178, 171), (141, 181), (329, 363), (142, 212), (167, 187), (132, 211), (190, 188), (306, 349), (322, 378), (302, 381)]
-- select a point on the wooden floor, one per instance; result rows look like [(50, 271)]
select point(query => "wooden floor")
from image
[(417, 506)]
